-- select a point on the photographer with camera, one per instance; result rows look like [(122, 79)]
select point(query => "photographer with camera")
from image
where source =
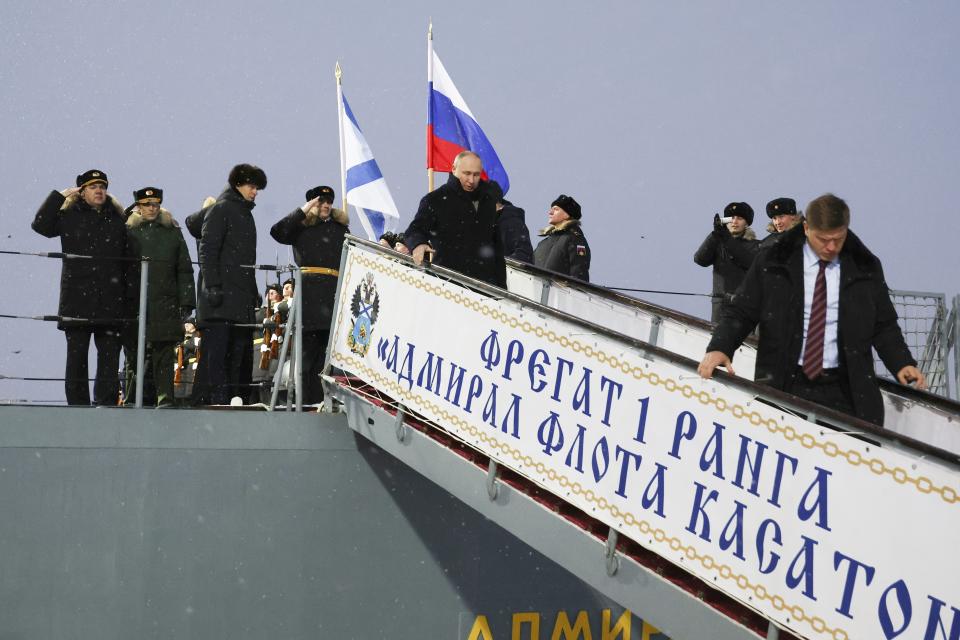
[(729, 249)]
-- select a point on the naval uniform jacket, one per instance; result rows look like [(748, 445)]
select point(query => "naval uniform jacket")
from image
[(316, 245), (564, 249), (730, 257), (772, 295), (169, 277)]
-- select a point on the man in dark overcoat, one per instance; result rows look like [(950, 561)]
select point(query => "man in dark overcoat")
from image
[(228, 298), (512, 224), (316, 231), (822, 304), (171, 297), (457, 224), (199, 389), (93, 292)]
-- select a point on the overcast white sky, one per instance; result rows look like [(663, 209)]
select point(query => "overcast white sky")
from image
[(653, 115)]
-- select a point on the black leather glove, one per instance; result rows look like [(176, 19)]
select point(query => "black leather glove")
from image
[(719, 229), (215, 296)]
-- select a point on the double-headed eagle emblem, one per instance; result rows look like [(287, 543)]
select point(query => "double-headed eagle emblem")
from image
[(365, 307)]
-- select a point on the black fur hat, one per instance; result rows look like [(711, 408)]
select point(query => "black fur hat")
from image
[(741, 209), (247, 174), (568, 204), (782, 207), (325, 193), (148, 194), (91, 176)]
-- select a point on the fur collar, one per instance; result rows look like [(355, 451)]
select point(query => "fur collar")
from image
[(748, 234), (112, 204), (563, 226), (482, 192), (336, 215), (165, 219), (232, 195)]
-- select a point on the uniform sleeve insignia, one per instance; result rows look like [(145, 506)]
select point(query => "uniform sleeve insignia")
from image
[(581, 250)]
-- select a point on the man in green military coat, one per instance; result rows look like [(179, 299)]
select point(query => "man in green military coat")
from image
[(171, 295)]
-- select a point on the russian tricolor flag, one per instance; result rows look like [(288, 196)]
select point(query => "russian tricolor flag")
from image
[(451, 127)]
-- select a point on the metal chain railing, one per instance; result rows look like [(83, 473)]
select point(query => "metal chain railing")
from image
[(294, 385)]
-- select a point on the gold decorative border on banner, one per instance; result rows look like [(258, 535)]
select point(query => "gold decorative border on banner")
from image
[(830, 448), (630, 519)]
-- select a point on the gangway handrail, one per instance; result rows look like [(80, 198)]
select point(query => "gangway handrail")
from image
[(887, 385), (844, 422), (922, 415)]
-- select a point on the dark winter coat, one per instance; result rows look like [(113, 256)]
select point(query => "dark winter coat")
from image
[(93, 290), (228, 245), (564, 249), (768, 242), (730, 257), (170, 274), (514, 234), (774, 235), (465, 238), (194, 224), (317, 243), (772, 295)]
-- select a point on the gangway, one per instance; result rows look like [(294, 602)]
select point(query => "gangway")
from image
[(718, 509)]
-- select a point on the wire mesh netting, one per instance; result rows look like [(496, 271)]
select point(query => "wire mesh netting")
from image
[(923, 320)]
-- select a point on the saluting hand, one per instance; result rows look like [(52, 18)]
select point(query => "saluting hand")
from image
[(69, 191), (420, 251), (310, 205)]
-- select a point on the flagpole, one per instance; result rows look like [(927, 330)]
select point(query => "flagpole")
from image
[(343, 156), (429, 104)]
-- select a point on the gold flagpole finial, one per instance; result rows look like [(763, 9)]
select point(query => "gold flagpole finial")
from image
[(338, 72)]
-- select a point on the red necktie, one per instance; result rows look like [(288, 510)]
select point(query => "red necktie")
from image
[(813, 353)]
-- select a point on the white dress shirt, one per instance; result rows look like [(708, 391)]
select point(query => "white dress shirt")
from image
[(811, 267)]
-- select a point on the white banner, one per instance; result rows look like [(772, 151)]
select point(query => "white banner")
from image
[(829, 535)]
